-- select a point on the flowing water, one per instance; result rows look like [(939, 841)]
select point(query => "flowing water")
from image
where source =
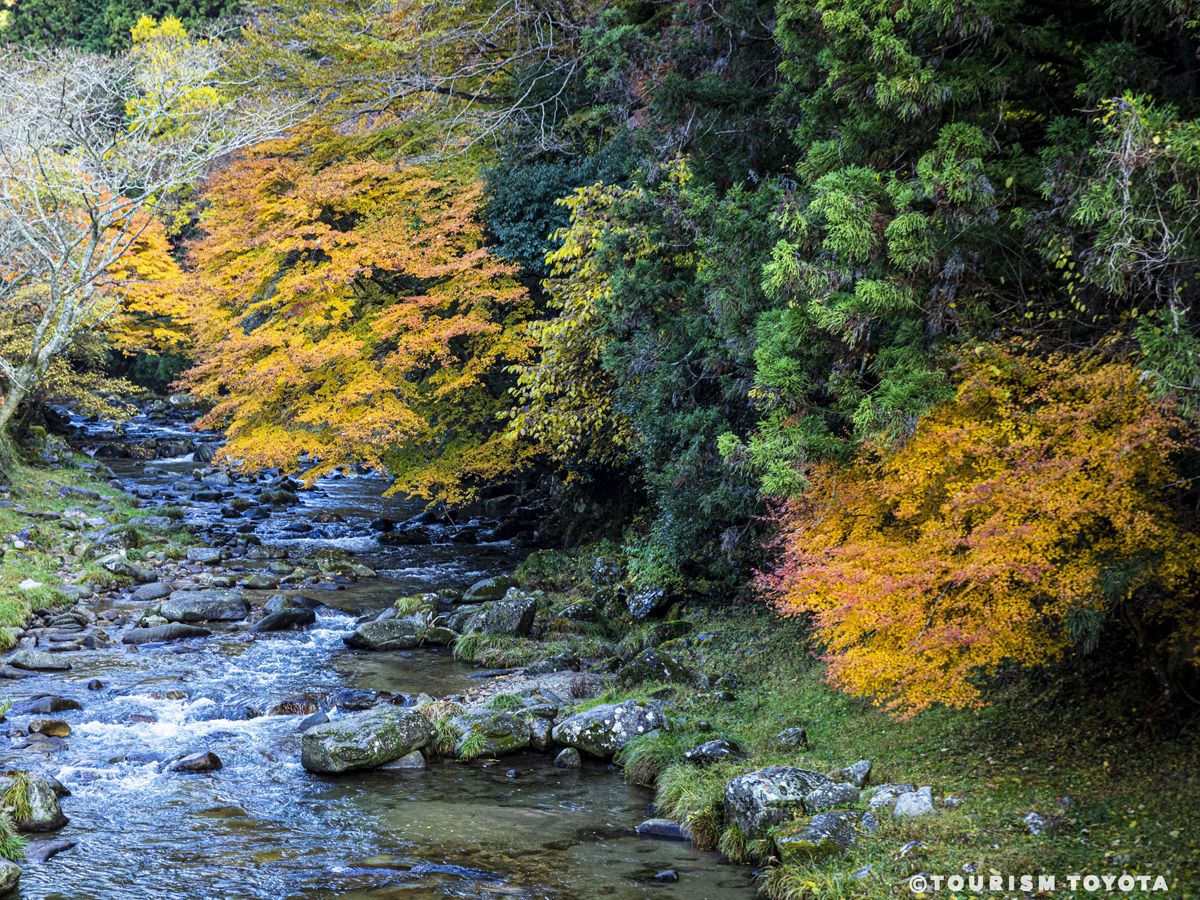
[(263, 827)]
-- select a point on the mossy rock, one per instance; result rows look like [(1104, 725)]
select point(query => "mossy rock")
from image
[(501, 733), (825, 836), (364, 740)]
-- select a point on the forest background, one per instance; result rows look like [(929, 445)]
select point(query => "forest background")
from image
[(881, 312)]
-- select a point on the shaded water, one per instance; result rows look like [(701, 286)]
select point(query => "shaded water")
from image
[(263, 827)]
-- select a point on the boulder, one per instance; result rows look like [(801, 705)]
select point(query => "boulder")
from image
[(407, 763), (826, 836), (50, 727), (285, 618), (10, 877), (38, 661), (513, 615), (260, 581), (389, 634), (119, 565), (760, 800), (914, 803), (568, 759), (502, 733), (155, 591), (648, 601), (205, 556), (439, 635), (173, 632), (712, 751), (886, 794), (44, 812), (205, 606), (541, 733), (792, 739), (605, 729), (858, 774), (489, 589), (652, 665), (829, 796), (563, 662), (43, 704), (317, 718), (364, 740)]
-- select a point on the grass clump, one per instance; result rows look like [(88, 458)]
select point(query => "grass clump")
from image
[(423, 604), (695, 798), (796, 883), (15, 796), (472, 747), (645, 758), (497, 650), (505, 703), (440, 714)]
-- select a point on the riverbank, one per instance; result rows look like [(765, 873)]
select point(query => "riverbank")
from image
[(1048, 780)]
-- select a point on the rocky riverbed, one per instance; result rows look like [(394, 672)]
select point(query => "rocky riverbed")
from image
[(209, 713)]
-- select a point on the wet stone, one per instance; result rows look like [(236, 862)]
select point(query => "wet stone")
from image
[(202, 761), (41, 851)]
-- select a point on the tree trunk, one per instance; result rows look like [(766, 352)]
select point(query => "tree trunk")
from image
[(11, 401)]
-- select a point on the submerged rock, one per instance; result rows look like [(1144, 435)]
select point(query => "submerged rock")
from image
[(663, 828), (41, 851), (603, 730), (760, 800), (364, 741)]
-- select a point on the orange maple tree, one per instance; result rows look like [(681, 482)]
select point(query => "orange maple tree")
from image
[(1040, 503), (350, 312)]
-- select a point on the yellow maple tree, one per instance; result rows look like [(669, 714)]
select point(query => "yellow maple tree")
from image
[(1020, 519)]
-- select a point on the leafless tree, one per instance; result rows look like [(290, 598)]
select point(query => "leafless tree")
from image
[(91, 147), (483, 70)]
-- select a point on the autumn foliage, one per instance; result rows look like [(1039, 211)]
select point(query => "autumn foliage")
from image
[(1038, 504), (349, 312)]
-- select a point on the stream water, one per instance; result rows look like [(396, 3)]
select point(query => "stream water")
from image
[(263, 827)]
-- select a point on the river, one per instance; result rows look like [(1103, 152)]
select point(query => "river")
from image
[(262, 826)]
